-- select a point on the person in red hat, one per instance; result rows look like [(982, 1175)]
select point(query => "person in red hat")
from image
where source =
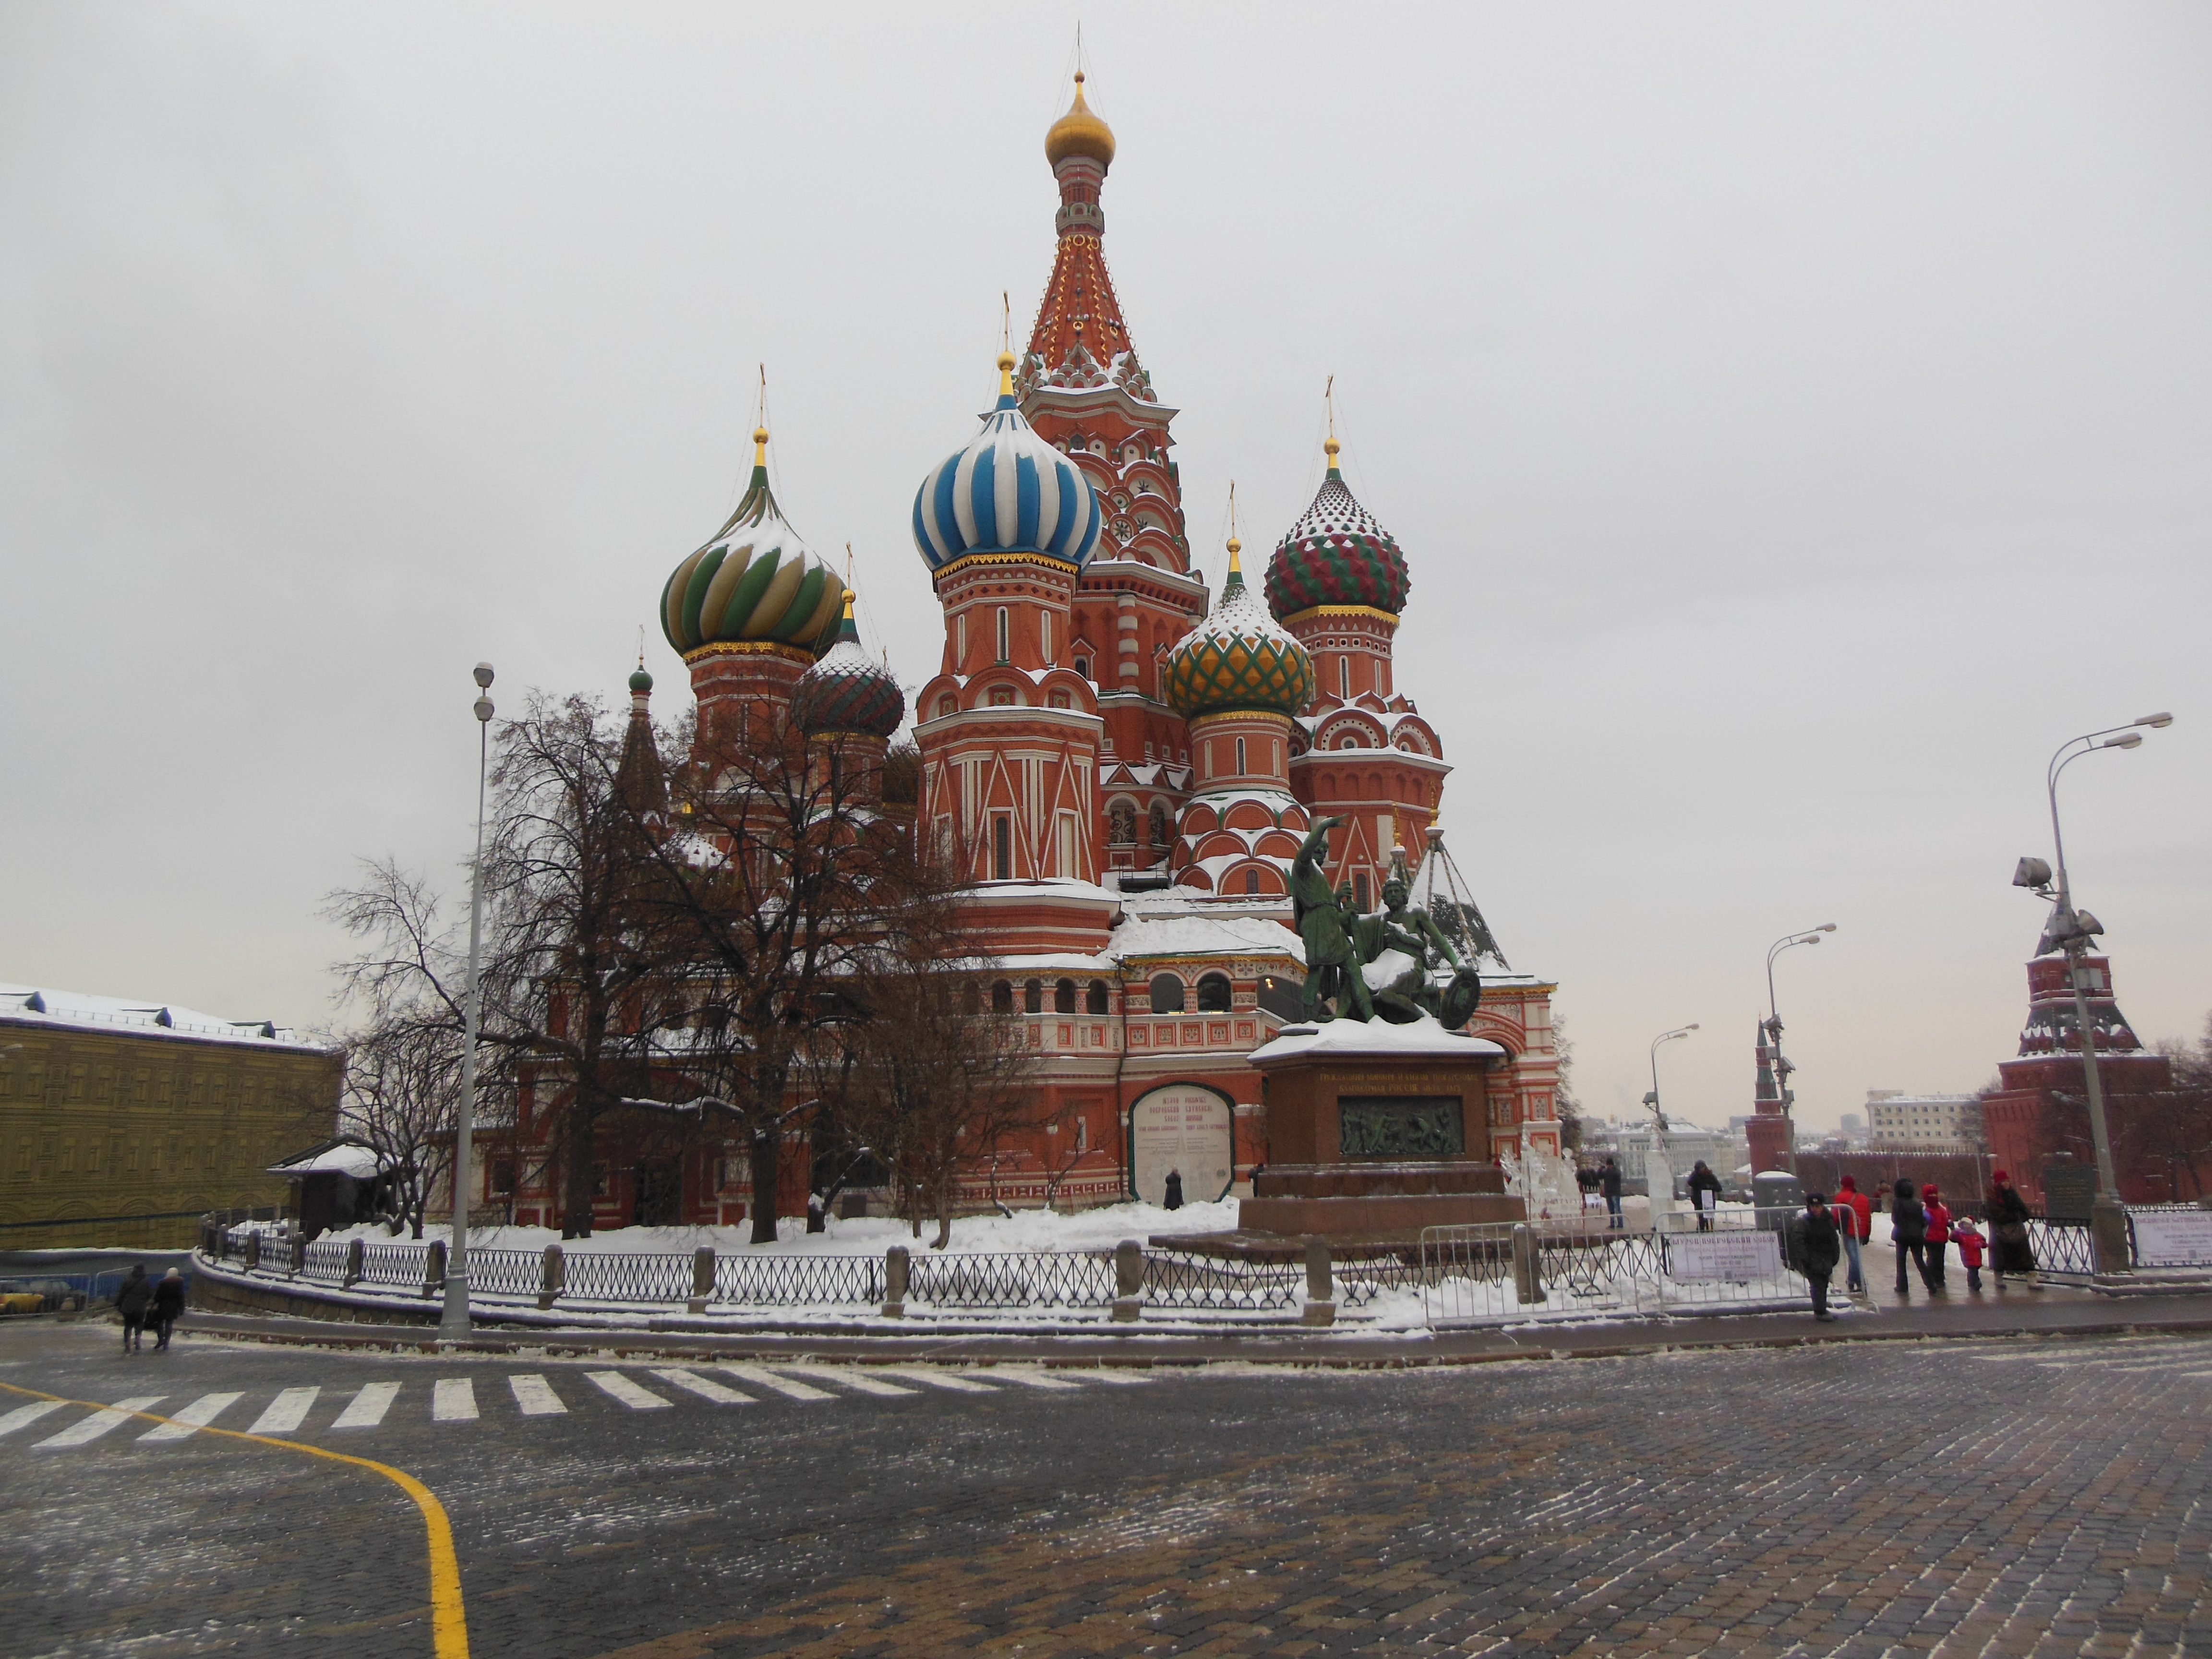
[(1968, 1237), (1939, 1233), (1853, 1214)]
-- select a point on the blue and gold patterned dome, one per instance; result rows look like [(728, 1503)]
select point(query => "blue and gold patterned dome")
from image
[(1239, 659), (1009, 491), (846, 693)]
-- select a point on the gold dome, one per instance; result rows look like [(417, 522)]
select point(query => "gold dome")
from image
[(1079, 133)]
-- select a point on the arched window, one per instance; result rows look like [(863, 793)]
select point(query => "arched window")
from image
[(1033, 997), (1002, 997), (1343, 676), (1213, 995), (1159, 824), (960, 640), (1096, 1002), (1241, 768), (1083, 666), (1005, 655), (1002, 847), (1063, 997), (1167, 994), (1359, 891), (1251, 881), (1044, 632)]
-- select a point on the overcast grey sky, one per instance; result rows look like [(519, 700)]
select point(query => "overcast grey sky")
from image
[(1798, 420)]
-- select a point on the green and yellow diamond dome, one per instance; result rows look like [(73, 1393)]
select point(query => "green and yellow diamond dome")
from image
[(1238, 658), (755, 584)]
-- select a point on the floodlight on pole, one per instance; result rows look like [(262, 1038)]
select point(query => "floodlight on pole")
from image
[(454, 1318), (1773, 1024)]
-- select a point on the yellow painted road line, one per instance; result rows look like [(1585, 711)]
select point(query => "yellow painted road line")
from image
[(23, 1416), (449, 1622), (104, 1419)]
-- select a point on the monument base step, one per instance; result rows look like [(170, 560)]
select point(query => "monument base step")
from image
[(1384, 1217)]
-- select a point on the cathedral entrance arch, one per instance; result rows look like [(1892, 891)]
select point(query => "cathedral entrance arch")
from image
[(1187, 1130)]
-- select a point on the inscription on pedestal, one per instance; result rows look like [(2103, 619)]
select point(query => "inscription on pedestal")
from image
[(1401, 1126)]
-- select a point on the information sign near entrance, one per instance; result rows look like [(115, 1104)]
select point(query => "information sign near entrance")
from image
[(1185, 1129)]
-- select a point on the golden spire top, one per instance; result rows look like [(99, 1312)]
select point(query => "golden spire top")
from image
[(1006, 374), (760, 446), (1079, 133), (849, 605)]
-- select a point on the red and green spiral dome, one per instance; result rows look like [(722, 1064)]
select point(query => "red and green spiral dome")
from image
[(1336, 554)]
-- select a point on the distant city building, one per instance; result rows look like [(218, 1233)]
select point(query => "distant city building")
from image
[(120, 1122), (1853, 1125), (1923, 1123), (1685, 1146)]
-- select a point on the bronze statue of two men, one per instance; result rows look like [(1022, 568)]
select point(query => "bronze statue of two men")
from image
[(1341, 943)]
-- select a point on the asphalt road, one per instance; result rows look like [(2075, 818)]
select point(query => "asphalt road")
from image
[(1970, 1496)]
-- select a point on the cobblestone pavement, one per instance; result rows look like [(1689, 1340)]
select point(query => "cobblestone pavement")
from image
[(2019, 1496)]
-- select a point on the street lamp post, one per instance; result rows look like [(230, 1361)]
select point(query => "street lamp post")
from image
[(1783, 1068), (2073, 931), (453, 1321), (1658, 1173)]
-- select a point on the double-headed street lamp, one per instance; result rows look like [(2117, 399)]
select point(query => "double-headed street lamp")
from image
[(2075, 932), (453, 1322), (1774, 1027), (1657, 1172)]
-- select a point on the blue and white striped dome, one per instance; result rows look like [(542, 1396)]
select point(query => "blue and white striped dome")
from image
[(1009, 491)]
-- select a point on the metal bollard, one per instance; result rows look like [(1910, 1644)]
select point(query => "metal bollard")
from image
[(1320, 1289), (702, 1279), (252, 1251), (1128, 1280), (356, 1261), (433, 1269), (299, 1253), (548, 1276), (1527, 1284), (896, 1264)]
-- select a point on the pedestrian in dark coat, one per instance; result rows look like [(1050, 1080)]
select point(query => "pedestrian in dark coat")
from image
[(2009, 1250), (1817, 1247), (1908, 1232), (1172, 1199), (132, 1301), (1703, 1182), (1609, 1182), (168, 1306)]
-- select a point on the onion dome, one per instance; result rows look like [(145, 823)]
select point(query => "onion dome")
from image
[(1009, 491), (641, 682), (1079, 133), (846, 692), (1336, 554), (756, 582), (1238, 658)]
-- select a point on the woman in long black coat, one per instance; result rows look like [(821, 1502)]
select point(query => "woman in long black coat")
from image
[(2009, 1250)]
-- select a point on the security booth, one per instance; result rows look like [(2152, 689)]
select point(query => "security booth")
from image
[(1778, 1197), (338, 1183)]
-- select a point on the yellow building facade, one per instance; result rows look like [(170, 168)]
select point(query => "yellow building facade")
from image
[(122, 1122)]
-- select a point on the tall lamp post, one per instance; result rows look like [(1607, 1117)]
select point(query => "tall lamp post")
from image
[(1783, 1068), (453, 1321), (1657, 1168), (2075, 932)]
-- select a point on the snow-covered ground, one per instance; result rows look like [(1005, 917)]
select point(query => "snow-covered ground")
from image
[(1099, 1229)]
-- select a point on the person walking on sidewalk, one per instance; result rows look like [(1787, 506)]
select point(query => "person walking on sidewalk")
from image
[(1704, 1195), (1816, 1244), (1939, 1233), (168, 1306), (1609, 1182), (2010, 1252), (1968, 1237), (1854, 1212), (131, 1302), (1908, 1232)]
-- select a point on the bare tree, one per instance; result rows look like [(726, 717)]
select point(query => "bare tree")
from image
[(402, 1080)]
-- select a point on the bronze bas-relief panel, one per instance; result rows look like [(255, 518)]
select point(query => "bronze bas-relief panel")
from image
[(1402, 1126)]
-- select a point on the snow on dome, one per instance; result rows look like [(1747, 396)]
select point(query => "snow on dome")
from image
[(1009, 491), (1336, 554), (1239, 657), (755, 581), (847, 691)]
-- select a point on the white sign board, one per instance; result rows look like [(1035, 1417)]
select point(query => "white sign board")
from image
[(2174, 1238), (1186, 1130), (1740, 1257)]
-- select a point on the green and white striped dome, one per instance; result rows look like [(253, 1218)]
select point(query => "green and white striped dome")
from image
[(754, 582)]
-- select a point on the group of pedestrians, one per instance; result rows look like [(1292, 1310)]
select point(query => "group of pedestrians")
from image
[(142, 1302), (1922, 1231)]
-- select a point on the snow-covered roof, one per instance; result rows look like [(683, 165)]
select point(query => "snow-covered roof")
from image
[(35, 1006), (346, 1158), (1190, 936), (1423, 1038)]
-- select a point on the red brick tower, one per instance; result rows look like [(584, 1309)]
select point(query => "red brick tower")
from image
[(1338, 582), (1082, 387)]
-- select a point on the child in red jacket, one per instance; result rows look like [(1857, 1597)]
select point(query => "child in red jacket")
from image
[(1968, 1237), (1939, 1234)]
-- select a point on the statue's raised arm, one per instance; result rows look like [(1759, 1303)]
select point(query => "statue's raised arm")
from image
[(1310, 888)]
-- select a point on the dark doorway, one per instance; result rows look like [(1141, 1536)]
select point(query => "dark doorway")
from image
[(659, 1195)]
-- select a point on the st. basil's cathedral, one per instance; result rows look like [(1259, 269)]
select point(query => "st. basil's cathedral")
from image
[(1128, 768)]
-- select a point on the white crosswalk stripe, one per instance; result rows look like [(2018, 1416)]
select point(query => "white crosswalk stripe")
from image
[(454, 1401), (849, 1376), (535, 1396), (89, 1429), (936, 1378), (367, 1408), (618, 1387), (1032, 1379), (23, 1416), (706, 1388), (286, 1412), (194, 1417), (788, 1387), (1118, 1379)]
